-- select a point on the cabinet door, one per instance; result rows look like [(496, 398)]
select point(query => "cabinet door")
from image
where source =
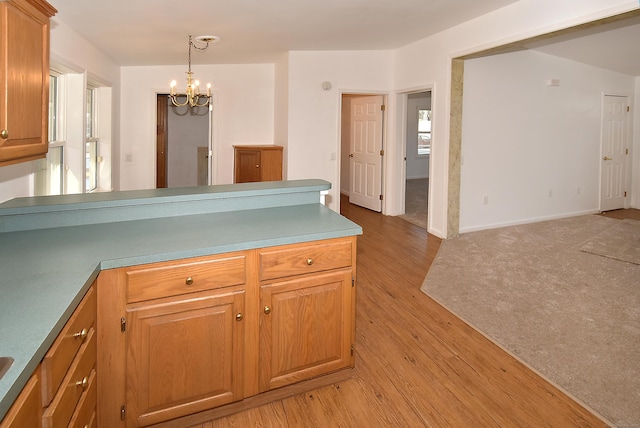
[(24, 82), (184, 356), (307, 328), (247, 166)]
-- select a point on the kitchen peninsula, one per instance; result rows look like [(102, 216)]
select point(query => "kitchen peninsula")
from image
[(202, 298)]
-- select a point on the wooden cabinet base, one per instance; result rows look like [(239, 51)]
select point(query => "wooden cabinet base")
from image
[(193, 421)]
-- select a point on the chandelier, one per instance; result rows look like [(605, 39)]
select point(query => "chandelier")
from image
[(193, 96)]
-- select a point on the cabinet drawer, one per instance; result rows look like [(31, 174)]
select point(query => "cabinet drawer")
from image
[(26, 411), (57, 361), (74, 385), (174, 278), (279, 262), (85, 415)]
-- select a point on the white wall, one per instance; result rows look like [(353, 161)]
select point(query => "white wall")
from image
[(77, 55), (188, 129), (522, 139), (243, 114), (314, 114), (281, 109), (427, 63)]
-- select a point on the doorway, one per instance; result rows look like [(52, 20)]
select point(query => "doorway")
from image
[(183, 145), (362, 135), (417, 140)]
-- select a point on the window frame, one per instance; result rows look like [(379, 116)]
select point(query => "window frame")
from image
[(423, 149)]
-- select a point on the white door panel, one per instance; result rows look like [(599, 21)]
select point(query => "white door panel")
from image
[(365, 152), (613, 152)]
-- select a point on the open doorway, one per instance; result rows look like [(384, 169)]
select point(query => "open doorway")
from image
[(417, 156), (183, 145)]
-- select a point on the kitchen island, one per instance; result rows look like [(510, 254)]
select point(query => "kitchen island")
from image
[(52, 249)]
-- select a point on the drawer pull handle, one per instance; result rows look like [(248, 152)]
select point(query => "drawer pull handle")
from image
[(81, 334), (83, 383), (239, 317), (267, 310), (4, 134), (309, 261), (189, 281)]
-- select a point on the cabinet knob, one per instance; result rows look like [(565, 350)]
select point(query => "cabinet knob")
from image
[(257, 166), (309, 261), (188, 281), (81, 334), (83, 383), (4, 134), (267, 310), (239, 317)]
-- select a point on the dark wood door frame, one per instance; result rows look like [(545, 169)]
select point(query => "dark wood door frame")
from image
[(162, 112)]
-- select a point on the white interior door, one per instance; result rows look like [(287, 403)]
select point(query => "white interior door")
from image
[(613, 152), (365, 156)]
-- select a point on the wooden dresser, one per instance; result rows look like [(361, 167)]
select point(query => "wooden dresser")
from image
[(257, 163)]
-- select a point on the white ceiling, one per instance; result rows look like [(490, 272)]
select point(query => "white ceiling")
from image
[(155, 32), (613, 46)]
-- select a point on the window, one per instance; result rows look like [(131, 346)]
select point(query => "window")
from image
[(91, 142), (49, 176), (424, 132)]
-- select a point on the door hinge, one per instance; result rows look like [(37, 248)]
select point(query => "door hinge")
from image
[(123, 413), (353, 281), (123, 324), (381, 152), (625, 194), (628, 109), (352, 350), (383, 107), (381, 197), (626, 151)]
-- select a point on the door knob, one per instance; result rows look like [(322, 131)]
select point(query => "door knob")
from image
[(607, 158), (267, 310), (350, 155)]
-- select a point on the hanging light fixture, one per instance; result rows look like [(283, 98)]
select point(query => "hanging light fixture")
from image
[(193, 96)]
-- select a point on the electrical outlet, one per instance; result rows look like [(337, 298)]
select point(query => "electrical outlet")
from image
[(550, 194), (485, 200)]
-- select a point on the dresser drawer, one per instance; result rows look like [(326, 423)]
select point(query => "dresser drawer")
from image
[(298, 259), (57, 361), (85, 415), (74, 385), (174, 278)]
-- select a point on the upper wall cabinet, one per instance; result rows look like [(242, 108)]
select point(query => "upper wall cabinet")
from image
[(24, 79)]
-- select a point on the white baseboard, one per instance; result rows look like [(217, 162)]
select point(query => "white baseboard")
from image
[(525, 221)]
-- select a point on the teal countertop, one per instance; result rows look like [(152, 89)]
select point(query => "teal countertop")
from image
[(52, 248)]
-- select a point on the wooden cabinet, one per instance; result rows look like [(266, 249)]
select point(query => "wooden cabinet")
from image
[(24, 79), (184, 337), (27, 409), (69, 369), (206, 334), (62, 391), (308, 307), (257, 163)]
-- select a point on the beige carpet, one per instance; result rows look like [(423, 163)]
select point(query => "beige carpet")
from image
[(621, 241), (415, 201), (572, 315)]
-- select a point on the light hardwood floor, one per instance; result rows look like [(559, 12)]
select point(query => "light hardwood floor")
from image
[(417, 365)]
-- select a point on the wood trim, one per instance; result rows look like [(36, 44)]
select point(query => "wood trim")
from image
[(162, 132)]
